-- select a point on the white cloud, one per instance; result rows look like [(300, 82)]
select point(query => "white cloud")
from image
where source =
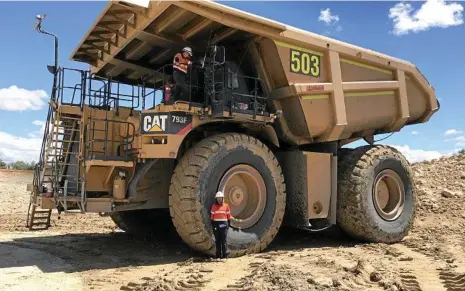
[(415, 132), (18, 99), (38, 122), (460, 141), (40, 132), (433, 13), (328, 18), (14, 148), (452, 132), (417, 155)]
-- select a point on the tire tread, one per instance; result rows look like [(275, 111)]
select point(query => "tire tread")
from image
[(186, 215), (353, 172)]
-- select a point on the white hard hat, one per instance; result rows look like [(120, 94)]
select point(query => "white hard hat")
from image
[(219, 194), (187, 50)]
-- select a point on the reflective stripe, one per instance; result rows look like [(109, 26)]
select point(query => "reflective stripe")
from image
[(179, 68), (181, 64), (220, 212)]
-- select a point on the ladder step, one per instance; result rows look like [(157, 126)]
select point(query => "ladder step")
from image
[(70, 198), (69, 118), (40, 223), (60, 164), (70, 128), (43, 211), (40, 217)]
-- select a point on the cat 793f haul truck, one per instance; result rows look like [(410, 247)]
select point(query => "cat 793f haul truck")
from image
[(267, 112)]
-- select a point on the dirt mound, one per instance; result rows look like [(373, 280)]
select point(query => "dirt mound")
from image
[(441, 184), (431, 257)]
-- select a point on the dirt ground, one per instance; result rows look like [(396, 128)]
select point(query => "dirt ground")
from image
[(87, 252)]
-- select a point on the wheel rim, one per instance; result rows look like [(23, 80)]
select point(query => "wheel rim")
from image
[(389, 195), (245, 191)]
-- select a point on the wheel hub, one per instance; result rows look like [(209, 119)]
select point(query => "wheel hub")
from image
[(245, 191), (236, 195), (389, 195)]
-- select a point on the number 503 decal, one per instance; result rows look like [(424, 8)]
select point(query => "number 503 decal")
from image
[(305, 63)]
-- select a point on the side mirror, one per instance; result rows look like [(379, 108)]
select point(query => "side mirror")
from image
[(52, 69)]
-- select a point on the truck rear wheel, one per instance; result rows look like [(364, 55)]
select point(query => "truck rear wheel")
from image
[(376, 195), (144, 222), (253, 184)]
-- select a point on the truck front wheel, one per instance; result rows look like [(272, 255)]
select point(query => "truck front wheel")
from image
[(249, 175), (376, 194)]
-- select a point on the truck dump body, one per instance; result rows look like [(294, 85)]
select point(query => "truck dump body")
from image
[(246, 120), (327, 90)]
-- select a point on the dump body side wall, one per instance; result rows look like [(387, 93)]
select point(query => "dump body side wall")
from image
[(329, 96)]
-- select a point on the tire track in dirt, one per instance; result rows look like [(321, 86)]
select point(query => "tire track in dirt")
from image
[(420, 270), (245, 283), (452, 280), (409, 281)]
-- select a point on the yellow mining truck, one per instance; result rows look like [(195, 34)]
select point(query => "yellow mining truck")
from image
[(264, 118)]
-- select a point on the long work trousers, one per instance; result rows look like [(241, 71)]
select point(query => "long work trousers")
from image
[(221, 234)]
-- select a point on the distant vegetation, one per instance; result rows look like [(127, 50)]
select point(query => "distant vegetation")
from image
[(462, 152), (18, 165)]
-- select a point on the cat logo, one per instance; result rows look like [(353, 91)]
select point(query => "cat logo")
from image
[(154, 123)]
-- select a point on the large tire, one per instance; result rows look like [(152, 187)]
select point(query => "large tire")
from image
[(197, 178), (364, 211), (144, 222)]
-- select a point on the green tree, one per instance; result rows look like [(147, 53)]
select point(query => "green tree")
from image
[(21, 165), (2, 164)]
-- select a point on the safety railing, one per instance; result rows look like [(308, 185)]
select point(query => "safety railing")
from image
[(108, 93), (78, 87), (160, 87), (104, 144), (71, 86), (245, 101)]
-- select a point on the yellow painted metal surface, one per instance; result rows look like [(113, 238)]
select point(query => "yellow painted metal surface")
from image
[(327, 89)]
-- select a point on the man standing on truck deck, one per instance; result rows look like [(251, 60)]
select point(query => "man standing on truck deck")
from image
[(221, 221), (181, 62)]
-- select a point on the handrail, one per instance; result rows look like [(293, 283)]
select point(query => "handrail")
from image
[(128, 138), (158, 85)]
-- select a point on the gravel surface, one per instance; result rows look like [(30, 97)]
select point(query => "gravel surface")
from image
[(84, 252)]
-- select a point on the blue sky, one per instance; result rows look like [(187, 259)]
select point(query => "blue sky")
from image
[(429, 34)]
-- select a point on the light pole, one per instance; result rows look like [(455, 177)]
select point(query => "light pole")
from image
[(54, 69)]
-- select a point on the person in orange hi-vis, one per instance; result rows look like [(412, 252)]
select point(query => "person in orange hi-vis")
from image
[(181, 62), (221, 221)]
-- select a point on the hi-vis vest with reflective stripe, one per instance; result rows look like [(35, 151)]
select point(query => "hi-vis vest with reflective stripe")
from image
[(221, 212), (180, 63)]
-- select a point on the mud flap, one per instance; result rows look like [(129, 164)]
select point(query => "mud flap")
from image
[(311, 187), (141, 170)]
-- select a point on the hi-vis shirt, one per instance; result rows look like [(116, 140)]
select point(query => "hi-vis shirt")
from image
[(180, 63), (220, 212)]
